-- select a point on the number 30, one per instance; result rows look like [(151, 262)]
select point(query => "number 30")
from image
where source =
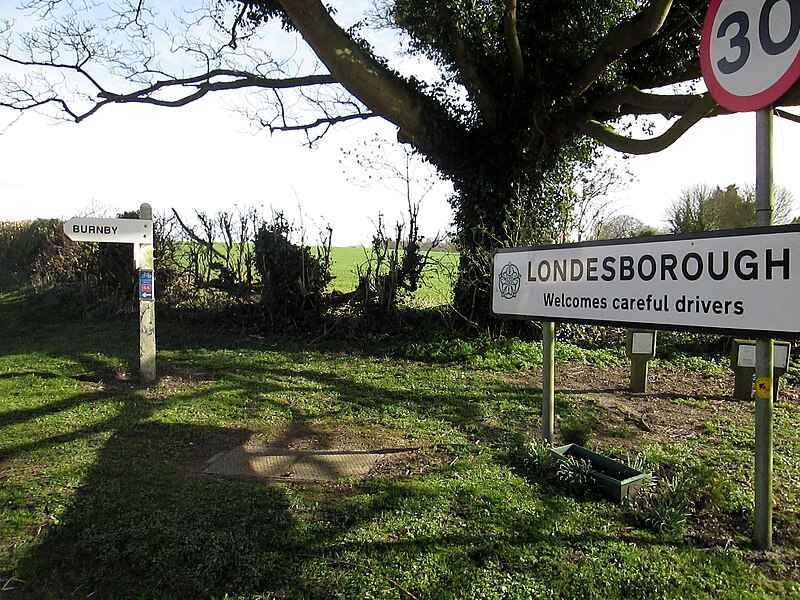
[(741, 42)]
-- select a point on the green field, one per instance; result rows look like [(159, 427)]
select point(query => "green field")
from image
[(437, 279), (347, 262), (102, 493)]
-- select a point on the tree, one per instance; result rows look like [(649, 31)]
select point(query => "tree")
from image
[(524, 89), (782, 199), (703, 208), (588, 198), (691, 212), (617, 227)]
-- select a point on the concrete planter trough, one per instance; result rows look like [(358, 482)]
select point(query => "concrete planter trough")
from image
[(616, 480)]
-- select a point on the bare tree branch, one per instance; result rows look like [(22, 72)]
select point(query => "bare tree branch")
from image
[(787, 115), (327, 122), (604, 134), (632, 100), (623, 37), (200, 85), (512, 40), (379, 88), (139, 8)]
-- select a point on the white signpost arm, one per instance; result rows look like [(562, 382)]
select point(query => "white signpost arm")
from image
[(764, 347)]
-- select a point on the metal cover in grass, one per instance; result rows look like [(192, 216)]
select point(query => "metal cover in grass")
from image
[(258, 460)]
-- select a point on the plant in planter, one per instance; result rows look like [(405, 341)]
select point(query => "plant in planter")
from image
[(615, 479), (535, 457), (576, 474)]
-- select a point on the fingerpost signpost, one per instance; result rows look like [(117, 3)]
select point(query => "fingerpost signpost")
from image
[(139, 233), (743, 282)]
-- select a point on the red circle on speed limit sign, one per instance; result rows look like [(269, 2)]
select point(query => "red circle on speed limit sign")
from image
[(750, 51)]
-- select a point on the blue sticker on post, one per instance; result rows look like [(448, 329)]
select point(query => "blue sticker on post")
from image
[(146, 285)]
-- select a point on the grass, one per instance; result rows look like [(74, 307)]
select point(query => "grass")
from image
[(101, 493)]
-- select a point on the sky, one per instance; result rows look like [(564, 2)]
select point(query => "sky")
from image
[(205, 157), (201, 157), (717, 151)]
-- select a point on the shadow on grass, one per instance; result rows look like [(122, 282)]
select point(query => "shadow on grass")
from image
[(144, 523), (136, 529)]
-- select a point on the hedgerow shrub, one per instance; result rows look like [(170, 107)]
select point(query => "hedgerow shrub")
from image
[(68, 275), (31, 250), (293, 280)]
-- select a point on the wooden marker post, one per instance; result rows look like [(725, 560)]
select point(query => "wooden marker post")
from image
[(138, 233), (147, 307)]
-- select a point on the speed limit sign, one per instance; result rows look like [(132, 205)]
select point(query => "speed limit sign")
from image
[(750, 51)]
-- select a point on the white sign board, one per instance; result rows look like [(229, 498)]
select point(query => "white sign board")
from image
[(750, 51), (642, 343), (128, 231), (745, 281), (746, 355)]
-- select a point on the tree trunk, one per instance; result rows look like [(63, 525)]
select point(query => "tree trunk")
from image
[(502, 213)]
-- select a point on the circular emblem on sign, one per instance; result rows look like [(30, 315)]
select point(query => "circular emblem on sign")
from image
[(750, 51), (508, 281)]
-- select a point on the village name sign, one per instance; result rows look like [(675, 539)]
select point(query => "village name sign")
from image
[(745, 282), (732, 282)]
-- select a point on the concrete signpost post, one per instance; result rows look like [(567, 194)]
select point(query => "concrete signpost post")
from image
[(640, 346), (750, 57), (147, 306), (743, 365), (139, 233)]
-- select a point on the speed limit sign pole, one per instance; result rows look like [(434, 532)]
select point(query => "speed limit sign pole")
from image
[(750, 57), (764, 347)]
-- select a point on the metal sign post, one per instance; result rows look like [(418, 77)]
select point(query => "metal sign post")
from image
[(764, 347), (548, 380), (147, 307)]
